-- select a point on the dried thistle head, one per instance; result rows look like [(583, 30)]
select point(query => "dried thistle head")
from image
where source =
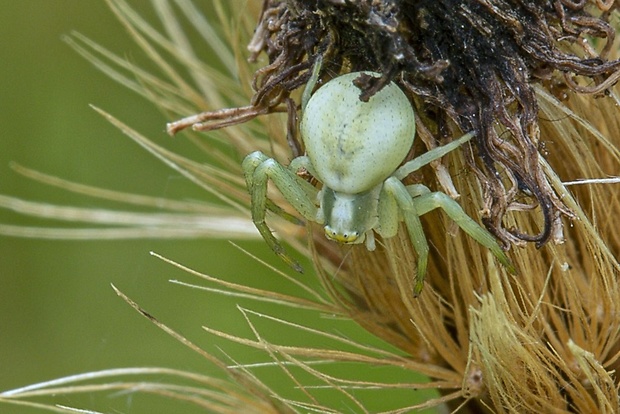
[(472, 63), (544, 340), (517, 344)]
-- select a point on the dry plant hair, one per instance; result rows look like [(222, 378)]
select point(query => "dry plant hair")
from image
[(535, 79)]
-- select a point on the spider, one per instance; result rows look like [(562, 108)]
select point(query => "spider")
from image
[(354, 149)]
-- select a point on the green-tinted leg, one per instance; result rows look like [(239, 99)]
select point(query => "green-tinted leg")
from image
[(258, 169), (276, 209), (303, 163), (314, 77), (427, 202), (395, 189), (430, 156), (296, 165)]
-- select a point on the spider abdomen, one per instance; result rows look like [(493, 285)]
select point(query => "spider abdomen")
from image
[(355, 145)]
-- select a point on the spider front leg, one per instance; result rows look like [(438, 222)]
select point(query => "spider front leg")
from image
[(258, 169), (425, 201), (393, 198), (430, 156)]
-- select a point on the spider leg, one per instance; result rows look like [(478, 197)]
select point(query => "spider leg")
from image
[(295, 166), (276, 209), (394, 197), (430, 156), (258, 169), (303, 163), (314, 78), (430, 201)]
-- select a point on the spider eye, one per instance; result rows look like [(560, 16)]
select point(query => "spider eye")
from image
[(345, 237)]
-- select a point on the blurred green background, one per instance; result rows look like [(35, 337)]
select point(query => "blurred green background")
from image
[(58, 313)]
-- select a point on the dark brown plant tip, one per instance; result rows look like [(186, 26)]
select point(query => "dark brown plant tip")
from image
[(473, 63)]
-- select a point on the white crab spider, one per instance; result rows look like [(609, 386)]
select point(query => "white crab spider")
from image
[(355, 148)]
